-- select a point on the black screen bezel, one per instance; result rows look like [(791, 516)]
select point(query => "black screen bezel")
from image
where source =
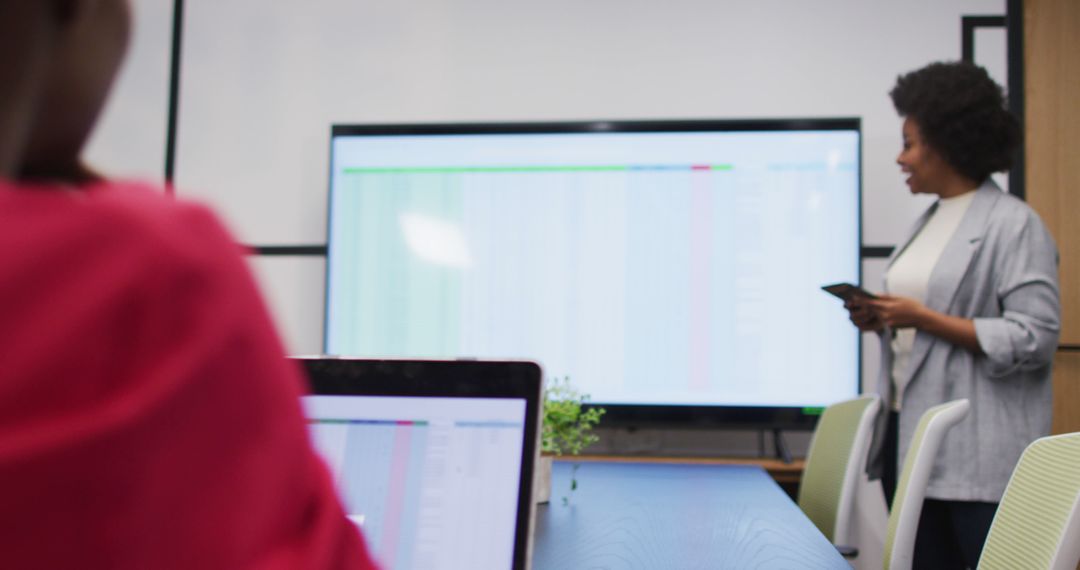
[(640, 415)]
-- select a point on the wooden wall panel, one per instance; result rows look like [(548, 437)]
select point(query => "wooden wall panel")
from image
[(1066, 392), (1052, 117), (1052, 99)]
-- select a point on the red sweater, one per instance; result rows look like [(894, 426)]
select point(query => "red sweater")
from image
[(148, 418)]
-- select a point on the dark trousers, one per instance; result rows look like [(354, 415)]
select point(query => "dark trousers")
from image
[(890, 470), (951, 533)]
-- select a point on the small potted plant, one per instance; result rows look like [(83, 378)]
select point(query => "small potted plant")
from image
[(567, 429)]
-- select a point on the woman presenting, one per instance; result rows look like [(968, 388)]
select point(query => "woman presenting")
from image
[(970, 310)]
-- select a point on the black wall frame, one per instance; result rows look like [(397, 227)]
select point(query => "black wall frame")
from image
[(313, 250), (174, 94), (1015, 58), (1012, 21), (1013, 24)]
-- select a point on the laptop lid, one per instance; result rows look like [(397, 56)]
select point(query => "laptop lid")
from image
[(432, 459)]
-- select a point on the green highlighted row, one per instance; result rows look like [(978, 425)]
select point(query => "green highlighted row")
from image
[(370, 422), (545, 168)]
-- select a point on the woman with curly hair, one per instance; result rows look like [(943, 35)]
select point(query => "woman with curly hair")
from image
[(970, 311)]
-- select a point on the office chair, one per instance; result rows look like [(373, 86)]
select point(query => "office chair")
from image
[(1037, 524), (911, 488), (833, 465)]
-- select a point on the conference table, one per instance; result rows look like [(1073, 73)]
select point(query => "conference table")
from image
[(653, 516)]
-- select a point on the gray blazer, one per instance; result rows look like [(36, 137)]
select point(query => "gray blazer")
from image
[(999, 269)]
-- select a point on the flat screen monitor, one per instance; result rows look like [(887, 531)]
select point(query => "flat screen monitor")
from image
[(671, 269), (432, 459)]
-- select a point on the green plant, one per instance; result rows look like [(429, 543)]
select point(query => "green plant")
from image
[(568, 425)]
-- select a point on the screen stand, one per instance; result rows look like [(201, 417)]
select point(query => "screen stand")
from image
[(782, 451)]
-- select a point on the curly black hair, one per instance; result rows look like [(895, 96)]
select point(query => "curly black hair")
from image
[(961, 114)]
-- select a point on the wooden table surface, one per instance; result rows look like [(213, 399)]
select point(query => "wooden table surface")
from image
[(654, 516)]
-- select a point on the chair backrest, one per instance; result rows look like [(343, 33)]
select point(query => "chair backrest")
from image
[(911, 488), (1037, 524), (834, 462)]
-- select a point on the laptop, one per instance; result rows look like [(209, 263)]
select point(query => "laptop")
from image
[(433, 460)]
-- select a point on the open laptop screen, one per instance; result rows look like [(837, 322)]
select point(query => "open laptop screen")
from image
[(434, 480)]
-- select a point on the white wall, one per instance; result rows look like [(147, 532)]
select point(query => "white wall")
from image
[(129, 141), (262, 82)]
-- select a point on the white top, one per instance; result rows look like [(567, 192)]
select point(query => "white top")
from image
[(909, 275)]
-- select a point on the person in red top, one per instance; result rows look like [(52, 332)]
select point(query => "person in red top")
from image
[(148, 417)]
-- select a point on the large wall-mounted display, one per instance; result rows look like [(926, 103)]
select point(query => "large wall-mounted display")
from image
[(671, 269)]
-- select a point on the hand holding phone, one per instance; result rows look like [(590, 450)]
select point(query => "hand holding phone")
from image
[(848, 292), (862, 315)]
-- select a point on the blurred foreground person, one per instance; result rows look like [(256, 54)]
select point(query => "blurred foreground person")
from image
[(148, 417)]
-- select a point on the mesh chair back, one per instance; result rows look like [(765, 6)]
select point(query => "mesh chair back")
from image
[(1037, 524), (837, 454), (911, 488)]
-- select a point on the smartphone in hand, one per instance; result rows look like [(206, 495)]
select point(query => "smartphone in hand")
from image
[(847, 291)]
